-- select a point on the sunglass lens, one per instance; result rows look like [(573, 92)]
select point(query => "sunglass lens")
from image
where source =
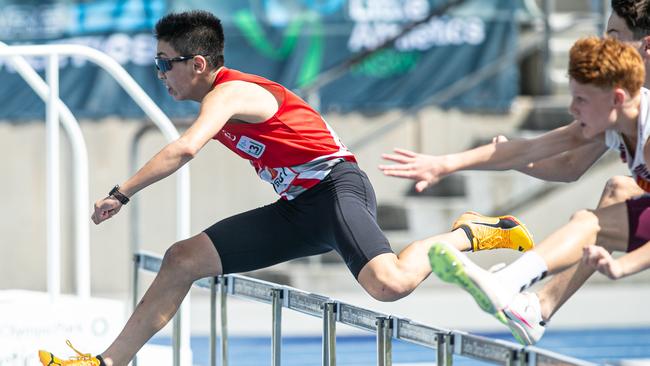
[(163, 65)]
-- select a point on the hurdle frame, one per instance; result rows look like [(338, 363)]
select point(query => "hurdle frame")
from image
[(447, 343)]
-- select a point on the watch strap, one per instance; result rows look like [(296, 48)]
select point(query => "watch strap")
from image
[(115, 193)]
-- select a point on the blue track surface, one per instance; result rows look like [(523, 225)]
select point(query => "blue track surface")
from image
[(597, 345)]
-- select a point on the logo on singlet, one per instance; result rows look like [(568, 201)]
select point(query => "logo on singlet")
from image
[(251, 147), (280, 178), (229, 136)]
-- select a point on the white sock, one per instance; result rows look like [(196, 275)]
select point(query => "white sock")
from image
[(523, 272)]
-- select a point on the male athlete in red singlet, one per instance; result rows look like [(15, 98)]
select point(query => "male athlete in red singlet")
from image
[(327, 202)]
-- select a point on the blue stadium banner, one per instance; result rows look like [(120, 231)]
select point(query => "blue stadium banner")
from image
[(288, 41)]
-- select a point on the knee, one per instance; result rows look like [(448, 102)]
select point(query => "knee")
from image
[(616, 190), (179, 257), (587, 219)]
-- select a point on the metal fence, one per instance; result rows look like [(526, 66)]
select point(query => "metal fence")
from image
[(447, 343)]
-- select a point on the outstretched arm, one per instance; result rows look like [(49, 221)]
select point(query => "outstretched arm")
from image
[(168, 160), (629, 264), (516, 154), (237, 100), (564, 167)]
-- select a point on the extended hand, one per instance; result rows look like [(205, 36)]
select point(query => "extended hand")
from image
[(105, 209), (599, 258), (426, 170)]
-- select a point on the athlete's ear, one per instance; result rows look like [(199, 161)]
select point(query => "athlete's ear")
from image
[(200, 64), (620, 96)]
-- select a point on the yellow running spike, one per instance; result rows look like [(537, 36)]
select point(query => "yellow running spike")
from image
[(82, 359)]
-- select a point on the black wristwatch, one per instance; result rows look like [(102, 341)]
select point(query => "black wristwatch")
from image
[(115, 193)]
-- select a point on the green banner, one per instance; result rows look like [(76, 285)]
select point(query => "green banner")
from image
[(289, 41)]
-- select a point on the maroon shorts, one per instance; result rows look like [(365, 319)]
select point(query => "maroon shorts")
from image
[(638, 215)]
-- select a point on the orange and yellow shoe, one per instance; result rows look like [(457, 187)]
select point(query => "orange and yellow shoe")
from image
[(487, 232), (82, 359)]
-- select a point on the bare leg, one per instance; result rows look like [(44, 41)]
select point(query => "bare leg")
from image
[(389, 277), (184, 262), (562, 286), (606, 226)]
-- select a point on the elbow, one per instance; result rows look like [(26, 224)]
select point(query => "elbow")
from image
[(186, 150), (189, 153), (571, 170), (575, 173)]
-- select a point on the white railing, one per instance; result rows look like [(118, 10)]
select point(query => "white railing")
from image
[(56, 110), (447, 343)]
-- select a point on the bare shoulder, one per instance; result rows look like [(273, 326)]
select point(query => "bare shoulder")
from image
[(228, 91), (246, 101)]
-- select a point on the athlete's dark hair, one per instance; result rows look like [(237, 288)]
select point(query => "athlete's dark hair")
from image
[(194, 32), (636, 14)]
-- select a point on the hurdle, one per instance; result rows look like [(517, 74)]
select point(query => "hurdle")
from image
[(447, 343)]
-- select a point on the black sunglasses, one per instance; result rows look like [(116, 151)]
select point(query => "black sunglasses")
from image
[(165, 64)]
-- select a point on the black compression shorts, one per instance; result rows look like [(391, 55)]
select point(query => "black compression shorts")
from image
[(339, 213)]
